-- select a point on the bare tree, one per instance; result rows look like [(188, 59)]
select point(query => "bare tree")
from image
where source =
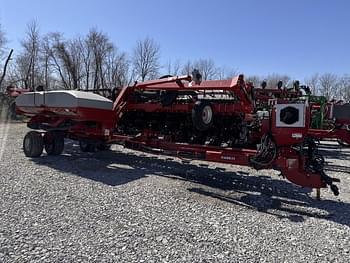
[(207, 68), (90, 62), (94, 62), (117, 69), (2, 77), (53, 44), (31, 45), (225, 73), (173, 68), (274, 78), (45, 56), (328, 83), (69, 55), (100, 48), (256, 80), (86, 60), (313, 82), (343, 90), (187, 68), (3, 42), (145, 59), (22, 67)]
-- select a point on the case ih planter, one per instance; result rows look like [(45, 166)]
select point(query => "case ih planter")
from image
[(221, 121)]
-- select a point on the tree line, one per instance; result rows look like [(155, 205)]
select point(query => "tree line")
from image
[(94, 62)]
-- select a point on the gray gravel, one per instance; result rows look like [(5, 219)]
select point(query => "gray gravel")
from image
[(127, 206)]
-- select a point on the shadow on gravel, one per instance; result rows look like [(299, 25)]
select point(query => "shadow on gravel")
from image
[(105, 167), (276, 197), (334, 154), (338, 168), (332, 145)]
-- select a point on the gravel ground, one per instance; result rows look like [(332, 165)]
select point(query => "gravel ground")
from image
[(127, 206)]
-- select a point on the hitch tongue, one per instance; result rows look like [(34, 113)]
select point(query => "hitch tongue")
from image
[(329, 181), (316, 164)]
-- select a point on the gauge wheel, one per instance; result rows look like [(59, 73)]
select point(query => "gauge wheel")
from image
[(54, 143), (202, 115)]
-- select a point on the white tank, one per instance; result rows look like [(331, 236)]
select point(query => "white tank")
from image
[(63, 99)]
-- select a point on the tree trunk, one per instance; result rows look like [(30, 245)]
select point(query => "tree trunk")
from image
[(5, 67)]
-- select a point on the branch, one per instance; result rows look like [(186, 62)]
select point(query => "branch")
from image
[(5, 67)]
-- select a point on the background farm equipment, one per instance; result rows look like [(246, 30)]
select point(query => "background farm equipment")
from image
[(7, 101), (329, 119)]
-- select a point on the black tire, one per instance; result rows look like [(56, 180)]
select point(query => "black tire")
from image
[(87, 147), (202, 115), (103, 147), (33, 144), (53, 143)]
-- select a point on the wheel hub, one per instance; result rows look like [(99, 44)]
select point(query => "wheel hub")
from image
[(207, 114)]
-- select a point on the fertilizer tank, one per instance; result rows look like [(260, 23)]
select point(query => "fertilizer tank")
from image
[(71, 103)]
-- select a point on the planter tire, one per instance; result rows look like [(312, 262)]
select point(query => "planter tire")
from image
[(202, 115), (53, 143), (33, 144)]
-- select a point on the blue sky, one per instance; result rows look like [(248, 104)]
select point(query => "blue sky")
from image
[(299, 37)]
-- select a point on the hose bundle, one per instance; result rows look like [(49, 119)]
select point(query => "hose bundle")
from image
[(266, 153)]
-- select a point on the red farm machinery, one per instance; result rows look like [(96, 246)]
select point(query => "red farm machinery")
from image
[(7, 100), (226, 121)]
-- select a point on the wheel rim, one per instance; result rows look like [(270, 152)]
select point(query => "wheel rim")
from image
[(207, 114)]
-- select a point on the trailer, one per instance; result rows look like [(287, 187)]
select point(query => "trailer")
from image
[(216, 121)]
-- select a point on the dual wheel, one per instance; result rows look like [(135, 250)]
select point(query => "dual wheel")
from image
[(34, 143), (53, 142)]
